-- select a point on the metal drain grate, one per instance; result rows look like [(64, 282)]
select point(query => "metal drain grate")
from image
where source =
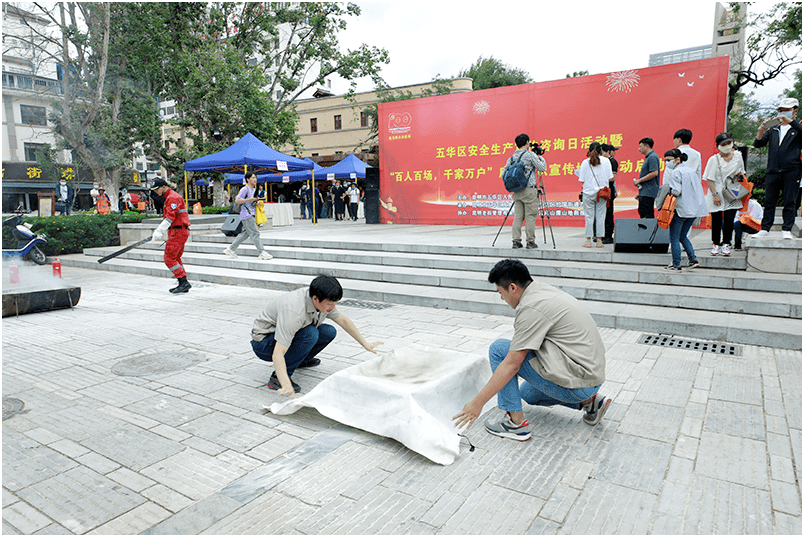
[(155, 364), (350, 303), (690, 345)]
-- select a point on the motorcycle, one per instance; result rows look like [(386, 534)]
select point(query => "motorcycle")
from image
[(27, 241)]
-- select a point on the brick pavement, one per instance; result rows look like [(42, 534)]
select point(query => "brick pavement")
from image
[(694, 442)]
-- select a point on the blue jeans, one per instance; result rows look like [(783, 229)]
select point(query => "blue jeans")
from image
[(536, 390), (307, 342), (679, 229)]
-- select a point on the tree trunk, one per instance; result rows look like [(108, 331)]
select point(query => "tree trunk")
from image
[(220, 194)]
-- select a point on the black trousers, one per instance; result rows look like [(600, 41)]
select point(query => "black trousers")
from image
[(646, 207), (723, 220), (609, 227), (789, 183)]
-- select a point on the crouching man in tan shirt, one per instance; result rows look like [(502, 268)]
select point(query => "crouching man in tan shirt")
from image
[(289, 331), (556, 349)]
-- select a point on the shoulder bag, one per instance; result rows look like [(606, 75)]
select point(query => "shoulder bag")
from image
[(605, 192)]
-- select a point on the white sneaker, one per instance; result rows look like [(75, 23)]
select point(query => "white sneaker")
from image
[(230, 253), (265, 255), (786, 235), (725, 250), (715, 249), (763, 234)]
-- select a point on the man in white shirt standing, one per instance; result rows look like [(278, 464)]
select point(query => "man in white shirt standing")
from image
[(681, 139)]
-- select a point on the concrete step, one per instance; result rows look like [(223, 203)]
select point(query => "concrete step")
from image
[(720, 325), (627, 269), (699, 290)]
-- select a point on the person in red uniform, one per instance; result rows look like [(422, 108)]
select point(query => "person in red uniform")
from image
[(176, 222)]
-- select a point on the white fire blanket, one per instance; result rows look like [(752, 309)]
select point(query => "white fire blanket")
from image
[(407, 394)]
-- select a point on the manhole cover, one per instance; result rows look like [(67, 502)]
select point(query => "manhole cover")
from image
[(154, 364), (351, 303), (12, 406)]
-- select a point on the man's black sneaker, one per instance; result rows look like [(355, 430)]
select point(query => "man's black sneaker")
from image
[(310, 362), (517, 244), (672, 268), (531, 245), (608, 240), (693, 264), (183, 287), (273, 383)]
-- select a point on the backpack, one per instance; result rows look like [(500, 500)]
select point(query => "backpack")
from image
[(514, 177), (667, 210)]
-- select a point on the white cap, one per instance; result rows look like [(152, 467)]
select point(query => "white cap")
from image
[(788, 103)]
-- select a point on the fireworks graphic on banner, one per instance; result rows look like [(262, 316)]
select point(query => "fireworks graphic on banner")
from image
[(481, 107), (622, 81)]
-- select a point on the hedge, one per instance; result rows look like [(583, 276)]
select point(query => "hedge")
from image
[(71, 234)]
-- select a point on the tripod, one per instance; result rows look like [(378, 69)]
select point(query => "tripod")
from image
[(542, 211)]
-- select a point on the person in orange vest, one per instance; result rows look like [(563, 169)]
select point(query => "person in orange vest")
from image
[(176, 223), (104, 204)]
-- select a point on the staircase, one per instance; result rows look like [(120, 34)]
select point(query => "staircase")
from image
[(719, 301)]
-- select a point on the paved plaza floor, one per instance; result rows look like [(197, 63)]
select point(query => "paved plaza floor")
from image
[(694, 443)]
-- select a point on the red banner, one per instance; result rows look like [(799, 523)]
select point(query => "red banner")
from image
[(441, 158)]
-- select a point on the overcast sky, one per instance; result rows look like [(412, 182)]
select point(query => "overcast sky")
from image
[(547, 39)]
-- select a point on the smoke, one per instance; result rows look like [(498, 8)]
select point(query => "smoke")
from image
[(32, 277)]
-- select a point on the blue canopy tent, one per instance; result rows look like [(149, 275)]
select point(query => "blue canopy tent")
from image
[(248, 154), (303, 175), (350, 167), (247, 151)]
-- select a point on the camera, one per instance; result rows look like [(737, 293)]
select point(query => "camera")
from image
[(537, 148)]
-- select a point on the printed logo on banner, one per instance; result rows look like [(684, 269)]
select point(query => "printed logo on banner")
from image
[(399, 123)]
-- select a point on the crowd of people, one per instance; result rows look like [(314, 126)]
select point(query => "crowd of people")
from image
[(729, 215)]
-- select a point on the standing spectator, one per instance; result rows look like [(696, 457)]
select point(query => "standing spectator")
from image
[(95, 192), (595, 173), (354, 198), (690, 205), (681, 139), (608, 152), (648, 182), (104, 204), (784, 167), (248, 199), (303, 199), (720, 167), (754, 211), (526, 201), (337, 196), (65, 194)]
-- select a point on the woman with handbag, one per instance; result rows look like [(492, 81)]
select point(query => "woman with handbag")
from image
[(722, 170), (685, 184), (595, 174), (248, 199)]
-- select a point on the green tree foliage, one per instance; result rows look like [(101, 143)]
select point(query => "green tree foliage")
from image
[(772, 46), (492, 73), (576, 74)]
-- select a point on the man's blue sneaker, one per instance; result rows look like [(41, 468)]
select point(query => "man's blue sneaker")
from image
[(503, 426), (594, 409)]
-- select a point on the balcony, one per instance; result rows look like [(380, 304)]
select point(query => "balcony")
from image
[(32, 83)]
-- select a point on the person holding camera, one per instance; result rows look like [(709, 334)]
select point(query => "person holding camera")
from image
[(719, 168), (595, 173), (784, 166), (608, 152), (526, 201)]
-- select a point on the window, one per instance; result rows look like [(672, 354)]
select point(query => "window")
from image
[(33, 115), (363, 119), (139, 166), (314, 124), (337, 123), (31, 149), (167, 144)]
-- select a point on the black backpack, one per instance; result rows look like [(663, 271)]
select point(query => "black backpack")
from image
[(514, 177)]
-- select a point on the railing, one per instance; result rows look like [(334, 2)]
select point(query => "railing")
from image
[(32, 83)]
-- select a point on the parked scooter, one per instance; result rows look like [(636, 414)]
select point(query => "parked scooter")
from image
[(27, 241)]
